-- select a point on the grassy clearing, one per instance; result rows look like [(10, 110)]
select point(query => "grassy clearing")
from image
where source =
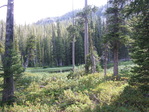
[(50, 70), (54, 92)]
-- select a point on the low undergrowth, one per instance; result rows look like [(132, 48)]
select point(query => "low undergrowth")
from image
[(57, 92)]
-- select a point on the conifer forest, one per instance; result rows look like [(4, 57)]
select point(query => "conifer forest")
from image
[(94, 59)]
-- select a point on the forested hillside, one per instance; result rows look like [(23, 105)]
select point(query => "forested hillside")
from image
[(94, 59)]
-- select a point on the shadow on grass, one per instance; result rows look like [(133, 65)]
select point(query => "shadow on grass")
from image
[(130, 100)]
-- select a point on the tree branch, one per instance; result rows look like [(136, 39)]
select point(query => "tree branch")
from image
[(3, 6)]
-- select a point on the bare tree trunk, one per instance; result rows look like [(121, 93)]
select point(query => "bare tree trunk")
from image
[(115, 69), (105, 59), (26, 63), (73, 53), (34, 60), (60, 62), (86, 41), (2, 31), (43, 57), (73, 43), (92, 55), (8, 91), (93, 63), (105, 67)]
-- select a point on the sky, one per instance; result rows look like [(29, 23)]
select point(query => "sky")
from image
[(30, 11)]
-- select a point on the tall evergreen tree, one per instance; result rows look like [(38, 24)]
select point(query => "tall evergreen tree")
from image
[(31, 51), (105, 49), (38, 52), (8, 91), (139, 12), (114, 35), (97, 36), (86, 36), (72, 29), (58, 46), (17, 67), (79, 50), (93, 56)]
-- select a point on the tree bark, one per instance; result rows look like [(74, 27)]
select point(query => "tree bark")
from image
[(92, 55), (73, 44), (105, 59), (73, 53), (8, 91), (26, 62), (115, 69), (86, 41), (2, 31), (93, 66)]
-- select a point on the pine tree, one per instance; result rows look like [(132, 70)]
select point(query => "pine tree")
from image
[(86, 36), (97, 40), (8, 91), (114, 35), (17, 67), (93, 56), (84, 14), (79, 50), (105, 49), (31, 52), (39, 54), (72, 29), (54, 45), (140, 34), (58, 46)]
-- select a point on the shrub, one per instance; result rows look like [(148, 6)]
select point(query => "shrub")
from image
[(76, 74), (89, 81), (70, 98)]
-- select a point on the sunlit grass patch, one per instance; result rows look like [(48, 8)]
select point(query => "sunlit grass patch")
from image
[(49, 70)]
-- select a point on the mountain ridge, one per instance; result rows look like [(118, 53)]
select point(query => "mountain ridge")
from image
[(68, 16)]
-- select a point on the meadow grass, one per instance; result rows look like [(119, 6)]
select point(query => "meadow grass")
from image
[(55, 69)]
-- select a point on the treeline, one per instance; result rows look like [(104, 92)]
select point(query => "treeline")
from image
[(51, 45)]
